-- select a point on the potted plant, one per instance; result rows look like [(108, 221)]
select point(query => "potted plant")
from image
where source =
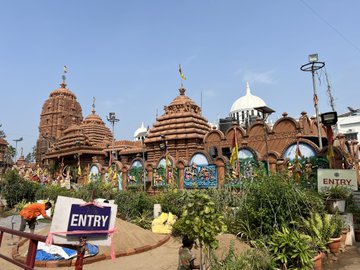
[(335, 197), (318, 227), (337, 225), (292, 249)]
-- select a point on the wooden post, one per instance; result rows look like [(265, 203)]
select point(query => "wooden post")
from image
[(30, 259)]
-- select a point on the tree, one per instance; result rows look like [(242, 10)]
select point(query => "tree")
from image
[(2, 133), (10, 154), (200, 221), (30, 157)]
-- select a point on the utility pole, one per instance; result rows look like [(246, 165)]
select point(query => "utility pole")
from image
[(265, 112), (313, 66), (112, 119), (16, 142)]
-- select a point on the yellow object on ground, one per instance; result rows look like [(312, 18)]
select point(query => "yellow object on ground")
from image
[(163, 224)]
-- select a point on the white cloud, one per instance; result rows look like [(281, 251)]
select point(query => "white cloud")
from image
[(251, 76)]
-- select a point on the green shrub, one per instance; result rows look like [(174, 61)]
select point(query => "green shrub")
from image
[(252, 259), (171, 200), (132, 204), (335, 192), (96, 189), (292, 249), (144, 220), (270, 202), (16, 189), (51, 192)]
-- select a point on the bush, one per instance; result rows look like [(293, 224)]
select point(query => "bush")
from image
[(51, 192), (292, 249), (16, 189), (271, 202), (96, 189), (171, 200), (133, 204), (252, 259)]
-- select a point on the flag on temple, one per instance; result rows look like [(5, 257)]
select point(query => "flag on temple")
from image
[(115, 175), (109, 167), (181, 74), (65, 69), (234, 158)]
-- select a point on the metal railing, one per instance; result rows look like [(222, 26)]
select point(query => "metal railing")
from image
[(31, 254)]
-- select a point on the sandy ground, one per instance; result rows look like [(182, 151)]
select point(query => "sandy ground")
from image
[(166, 256)]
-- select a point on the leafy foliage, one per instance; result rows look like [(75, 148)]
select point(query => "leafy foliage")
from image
[(271, 202), (51, 192), (133, 204), (291, 249), (144, 220), (15, 189), (171, 200), (320, 228), (201, 220), (252, 259), (336, 192), (96, 189)]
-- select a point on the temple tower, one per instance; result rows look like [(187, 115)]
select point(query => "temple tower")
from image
[(60, 111)]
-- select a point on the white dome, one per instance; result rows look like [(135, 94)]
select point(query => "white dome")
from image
[(140, 132), (247, 102)]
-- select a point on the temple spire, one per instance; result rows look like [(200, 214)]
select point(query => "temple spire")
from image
[(93, 106), (248, 88), (63, 84)]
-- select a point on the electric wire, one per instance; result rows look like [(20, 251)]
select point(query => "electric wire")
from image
[(331, 26)]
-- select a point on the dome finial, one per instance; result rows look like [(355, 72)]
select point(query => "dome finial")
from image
[(93, 106), (182, 90), (248, 88), (63, 84)]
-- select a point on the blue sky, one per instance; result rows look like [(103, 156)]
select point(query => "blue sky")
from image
[(126, 54)]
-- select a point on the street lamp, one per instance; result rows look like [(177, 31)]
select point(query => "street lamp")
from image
[(112, 119), (16, 142), (313, 66), (265, 113), (142, 136)]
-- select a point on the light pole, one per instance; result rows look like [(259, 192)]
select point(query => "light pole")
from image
[(313, 66), (142, 136), (265, 113), (16, 142), (112, 119)]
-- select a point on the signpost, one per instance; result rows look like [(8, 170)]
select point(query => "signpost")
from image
[(74, 218), (333, 177)]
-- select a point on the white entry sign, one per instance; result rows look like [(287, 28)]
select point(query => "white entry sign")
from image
[(73, 215), (333, 177)]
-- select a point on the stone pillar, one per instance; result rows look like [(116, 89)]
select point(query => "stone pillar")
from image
[(221, 173), (181, 167), (124, 177)]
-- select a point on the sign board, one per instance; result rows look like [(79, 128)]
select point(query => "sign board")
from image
[(333, 177), (89, 218), (72, 214)]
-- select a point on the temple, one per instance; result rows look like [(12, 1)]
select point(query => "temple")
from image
[(182, 147)]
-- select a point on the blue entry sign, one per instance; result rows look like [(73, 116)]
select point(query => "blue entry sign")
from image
[(73, 214), (89, 218)]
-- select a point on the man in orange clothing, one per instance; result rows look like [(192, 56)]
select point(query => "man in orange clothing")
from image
[(31, 212)]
